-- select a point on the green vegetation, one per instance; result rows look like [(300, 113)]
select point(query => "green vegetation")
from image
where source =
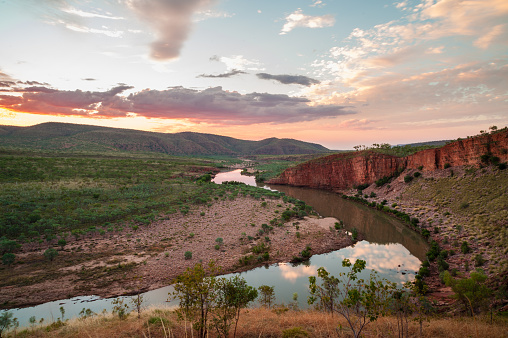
[(75, 138), (266, 295), (201, 297), (478, 199), (355, 299), (400, 151), (471, 292)]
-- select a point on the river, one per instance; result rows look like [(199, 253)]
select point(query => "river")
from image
[(390, 248)]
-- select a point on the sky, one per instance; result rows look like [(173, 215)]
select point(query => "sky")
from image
[(335, 72)]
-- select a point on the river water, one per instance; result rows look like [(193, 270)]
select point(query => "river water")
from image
[(390, 248)]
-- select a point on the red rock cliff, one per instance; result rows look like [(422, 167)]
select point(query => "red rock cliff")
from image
[(342, 171)]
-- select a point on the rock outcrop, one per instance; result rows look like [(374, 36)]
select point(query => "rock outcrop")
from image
[(343, 171)]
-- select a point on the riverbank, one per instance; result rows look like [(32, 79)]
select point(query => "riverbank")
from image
[(148, 257), (462, 204)]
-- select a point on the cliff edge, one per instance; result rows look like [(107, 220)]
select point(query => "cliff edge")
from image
[(343, 171)]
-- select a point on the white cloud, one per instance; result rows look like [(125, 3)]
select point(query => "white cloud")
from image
[(238, 62), (317, 3), (90, 15), (84, 29), (298, 19), (211, 14)]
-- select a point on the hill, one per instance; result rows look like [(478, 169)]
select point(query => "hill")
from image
[(69, 137)]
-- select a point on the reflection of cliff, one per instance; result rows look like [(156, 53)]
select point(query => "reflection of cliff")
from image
[(377, 227), (342, 171)]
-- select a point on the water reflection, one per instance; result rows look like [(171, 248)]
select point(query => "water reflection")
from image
[(392, 249), (291, 272), (376, 226)]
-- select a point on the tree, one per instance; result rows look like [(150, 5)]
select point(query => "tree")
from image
[(7, 245), (472, 291), (231, 295), (62, 242), (267, 295), (8, 259), (357, 300), (137, 302), (6, 322), (196, 293), (50, 254)]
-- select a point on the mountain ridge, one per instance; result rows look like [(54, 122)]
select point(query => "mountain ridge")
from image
[(80, 137)]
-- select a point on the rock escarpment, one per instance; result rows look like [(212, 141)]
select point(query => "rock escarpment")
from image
[(343, 171)]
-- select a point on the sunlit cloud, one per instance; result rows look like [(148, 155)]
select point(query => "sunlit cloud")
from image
[(298, 19), (212, 105)]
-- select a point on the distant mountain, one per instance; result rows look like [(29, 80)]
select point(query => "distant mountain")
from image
[(428, 143), (85, 138)]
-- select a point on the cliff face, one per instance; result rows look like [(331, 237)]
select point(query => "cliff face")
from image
[(342, 171)]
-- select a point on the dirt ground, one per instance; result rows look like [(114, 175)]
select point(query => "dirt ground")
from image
[(130, 261)]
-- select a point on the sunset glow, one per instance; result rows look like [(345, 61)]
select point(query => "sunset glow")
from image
[(334, 73)]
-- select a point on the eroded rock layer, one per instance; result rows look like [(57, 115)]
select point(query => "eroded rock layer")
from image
[(343, 171)]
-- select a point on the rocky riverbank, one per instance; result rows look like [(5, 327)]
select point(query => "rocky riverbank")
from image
[(152, 256)]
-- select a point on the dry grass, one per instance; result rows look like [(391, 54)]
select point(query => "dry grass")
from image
[(261, 322)]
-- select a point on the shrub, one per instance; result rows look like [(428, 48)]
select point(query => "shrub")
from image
[(217, 246), (472, 292), (502, 166), (306, 253), (425, 233), (383, 181), (408, 178), (373, 194), (464, 205), (464, 248), (442, 265), (188, 255), (417, 174), (424, 271), (447, 165), (8, 258), (50, 254), (354, 234), (294, 332), (420, 167), (479, 260)]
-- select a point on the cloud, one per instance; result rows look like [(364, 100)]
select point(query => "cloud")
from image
[(212, 105), (359, 124), (228, 74), (211, 14), (289, 79), (298, 19), (89, 14), (171, 19), (317, 3), (238, 62), (48, 101)]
